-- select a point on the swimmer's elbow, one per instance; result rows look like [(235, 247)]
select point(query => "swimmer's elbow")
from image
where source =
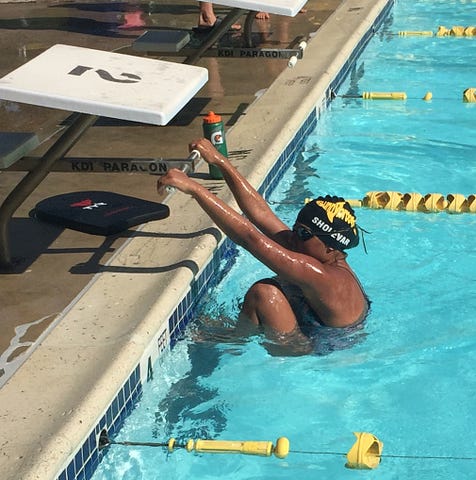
[(254, 241)]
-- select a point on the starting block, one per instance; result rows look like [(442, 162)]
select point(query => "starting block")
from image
[(194, 44)]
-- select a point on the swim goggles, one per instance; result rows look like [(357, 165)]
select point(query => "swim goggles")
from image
[(303, 233)]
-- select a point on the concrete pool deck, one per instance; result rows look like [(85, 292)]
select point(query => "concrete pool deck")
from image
[(95, 305)]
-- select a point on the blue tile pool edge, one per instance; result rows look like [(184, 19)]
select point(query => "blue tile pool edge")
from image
[(88, 456)]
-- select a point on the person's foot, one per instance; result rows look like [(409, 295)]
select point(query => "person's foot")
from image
[(262, 16), (133, 20), (266, 15), (209, 23)]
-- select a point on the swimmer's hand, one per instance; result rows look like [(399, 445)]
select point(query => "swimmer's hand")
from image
[(175, 178), (208, 152)]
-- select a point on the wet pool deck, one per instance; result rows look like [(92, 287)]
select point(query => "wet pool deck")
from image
[(84, 307)]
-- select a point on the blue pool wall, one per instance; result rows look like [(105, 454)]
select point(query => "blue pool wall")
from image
[(86, 459)]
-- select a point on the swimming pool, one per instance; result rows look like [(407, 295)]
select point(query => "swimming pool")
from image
[(407, 377)]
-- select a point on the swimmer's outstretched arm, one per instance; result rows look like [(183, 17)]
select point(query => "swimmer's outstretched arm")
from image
[(290, 265), (249, 200), (235, 226)]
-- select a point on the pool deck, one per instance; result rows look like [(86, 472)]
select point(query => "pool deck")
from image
[(86, 308)]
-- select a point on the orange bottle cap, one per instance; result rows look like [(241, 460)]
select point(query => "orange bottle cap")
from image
[(211, 118)]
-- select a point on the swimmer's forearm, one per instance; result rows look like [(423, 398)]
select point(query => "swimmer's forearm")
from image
[(253, 205), (234, 225), (249, 200), (242, 231), (245, 194)]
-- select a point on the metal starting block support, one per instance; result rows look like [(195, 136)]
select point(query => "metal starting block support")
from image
[(151, 43), (291, 54), (253, 52)]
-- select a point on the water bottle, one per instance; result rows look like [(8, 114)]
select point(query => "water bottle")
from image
[(213, 129)]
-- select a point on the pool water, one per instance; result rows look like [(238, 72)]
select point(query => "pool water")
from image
[(407, 377)]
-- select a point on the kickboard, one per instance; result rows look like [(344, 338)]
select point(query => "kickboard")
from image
[(98, 212)]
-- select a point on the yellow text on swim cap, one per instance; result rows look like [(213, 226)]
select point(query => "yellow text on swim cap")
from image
[(337, 210)]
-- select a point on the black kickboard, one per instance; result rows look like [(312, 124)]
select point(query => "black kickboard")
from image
[(97, 212)]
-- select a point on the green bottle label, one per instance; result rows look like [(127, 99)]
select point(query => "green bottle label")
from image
[(214, 132)]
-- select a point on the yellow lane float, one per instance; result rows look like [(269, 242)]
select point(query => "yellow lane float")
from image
[(366, 452), (455, 31), (247, 447), (384, 95), (417, 33), (416, 202), (469, 95), (261, 448)]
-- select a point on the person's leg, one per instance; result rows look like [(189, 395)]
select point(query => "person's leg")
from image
[(266, 305), (207, 17)]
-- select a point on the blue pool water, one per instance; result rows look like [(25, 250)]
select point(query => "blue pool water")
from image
[(408, 375)]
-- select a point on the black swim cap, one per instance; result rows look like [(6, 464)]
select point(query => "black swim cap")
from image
[(332, 220)]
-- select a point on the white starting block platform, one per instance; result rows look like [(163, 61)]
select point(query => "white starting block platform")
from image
[(289, 8), (103, 83)]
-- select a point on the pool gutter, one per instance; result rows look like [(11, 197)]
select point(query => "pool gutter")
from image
[(103, 346)]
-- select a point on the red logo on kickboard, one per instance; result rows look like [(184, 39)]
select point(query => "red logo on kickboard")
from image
[(88, 204), (82, 203)]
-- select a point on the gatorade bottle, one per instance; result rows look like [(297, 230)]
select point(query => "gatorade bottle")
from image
[(213, 129)]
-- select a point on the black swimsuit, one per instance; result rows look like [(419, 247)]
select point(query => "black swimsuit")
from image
[(301, 308), (325, 339)]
